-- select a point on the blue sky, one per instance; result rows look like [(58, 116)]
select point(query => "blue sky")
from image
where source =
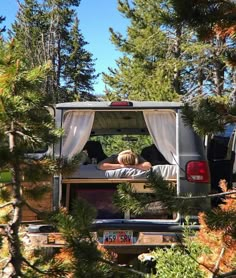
[(96, 16)]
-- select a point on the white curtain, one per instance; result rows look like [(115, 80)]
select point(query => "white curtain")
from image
[(162, 128), (77, 126)]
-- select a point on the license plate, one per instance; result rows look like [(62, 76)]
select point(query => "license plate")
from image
[(118, 237)]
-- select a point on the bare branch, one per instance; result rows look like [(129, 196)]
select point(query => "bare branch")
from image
[(206, 196), (216, 268)]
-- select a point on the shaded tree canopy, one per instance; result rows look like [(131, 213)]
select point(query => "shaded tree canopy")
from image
[(219, 14)]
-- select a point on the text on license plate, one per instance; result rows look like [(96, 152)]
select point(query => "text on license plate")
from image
[(118, 237)]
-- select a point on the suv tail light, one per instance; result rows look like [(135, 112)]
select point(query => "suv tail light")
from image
[(198, 171), (121, 103)]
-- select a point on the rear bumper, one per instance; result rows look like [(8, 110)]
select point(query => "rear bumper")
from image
[(142, 227), (143, 241), (145, 238)]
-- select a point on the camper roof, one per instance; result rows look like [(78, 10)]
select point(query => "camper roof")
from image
[(97, 105)]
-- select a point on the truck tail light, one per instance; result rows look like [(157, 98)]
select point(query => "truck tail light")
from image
[(198, 171)]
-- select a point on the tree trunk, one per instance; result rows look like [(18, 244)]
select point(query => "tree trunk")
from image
[(233, 93), (219, 68), (177, 52), (13, 268), (219, 77)]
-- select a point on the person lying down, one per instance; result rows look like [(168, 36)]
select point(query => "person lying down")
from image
[(125, 159)]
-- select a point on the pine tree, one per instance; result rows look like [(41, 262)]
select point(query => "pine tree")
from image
[(219, 32), (46, 30), (164, 57), (155, 65), (29, 28), (79, 66), (25, 124), (139, 74)]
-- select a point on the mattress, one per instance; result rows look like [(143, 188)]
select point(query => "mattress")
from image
[(91, 171)]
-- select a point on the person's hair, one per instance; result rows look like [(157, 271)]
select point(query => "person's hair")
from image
[(128, 157)]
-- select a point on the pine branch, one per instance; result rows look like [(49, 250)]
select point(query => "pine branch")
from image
[(34, 267), (7, 204), (162, 192), (37, 192)]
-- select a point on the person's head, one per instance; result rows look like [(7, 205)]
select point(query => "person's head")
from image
[(127, 157)]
